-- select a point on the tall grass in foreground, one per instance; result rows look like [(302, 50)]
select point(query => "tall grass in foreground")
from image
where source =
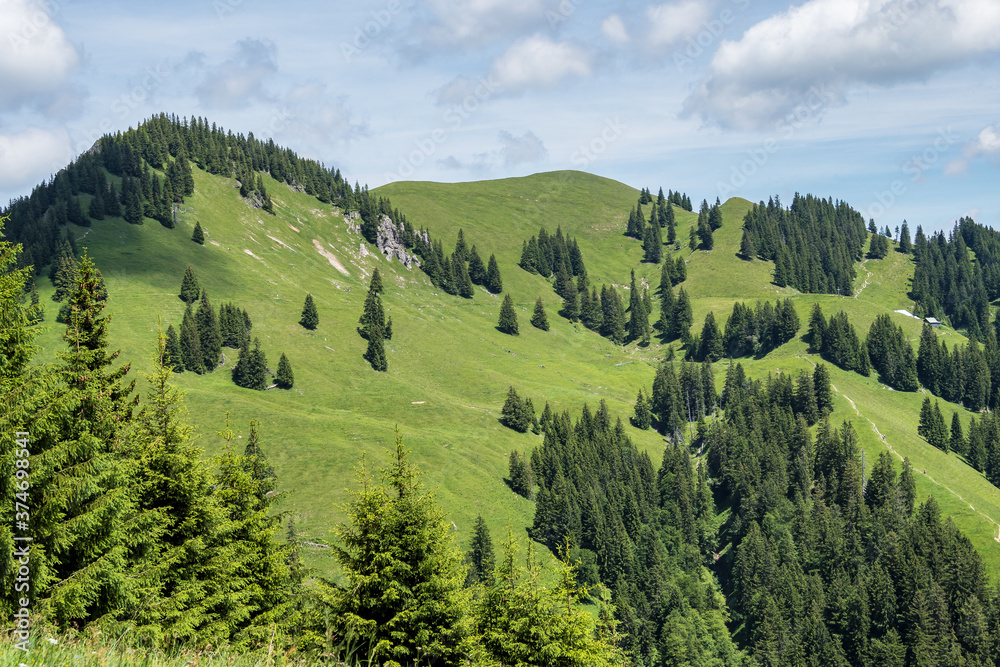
[(63, 652)]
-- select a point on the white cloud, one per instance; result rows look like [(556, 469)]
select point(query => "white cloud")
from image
[(672, 21), (468, 23), (518, 150), (317, 117), (986, 143), (31, 155), (537, 62), (240, 79), (834, 45), (35, 55), (613, 28)]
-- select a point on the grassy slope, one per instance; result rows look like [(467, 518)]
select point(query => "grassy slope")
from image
[(449, 368)]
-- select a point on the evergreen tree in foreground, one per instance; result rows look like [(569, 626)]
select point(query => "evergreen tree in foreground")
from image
[(481, 558), (310, 318), (508, 317), (538, 318), (284, 377), (404, 574)]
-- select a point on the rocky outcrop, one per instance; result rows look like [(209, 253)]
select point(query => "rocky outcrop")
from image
[(389, 239)]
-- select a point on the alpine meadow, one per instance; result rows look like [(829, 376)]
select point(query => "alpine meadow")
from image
[(265, 416)]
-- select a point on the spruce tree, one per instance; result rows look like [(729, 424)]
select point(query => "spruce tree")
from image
[(209, 336), (508, 317), (241, 367), (823, 390), (538, 319), (711, 340), (747, 248), (521, 479), (682, 318), (284, 377), (403, 570), (375, 284), (198, 236), (190, 290), (642, 417), (494, 283), (310, 318), (375, 353), (173, 357), (481, 558), (477, 271), (514, 413), (957, 440), (191, 352), (256, 372)]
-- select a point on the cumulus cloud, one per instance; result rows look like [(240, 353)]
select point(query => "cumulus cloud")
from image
[(35, 55), (240, 79), (316, 116), (470, 23), (538, 62), (613, 28), (513, 151), (29, 156), (986, 143), (835, 44), (671, 22)]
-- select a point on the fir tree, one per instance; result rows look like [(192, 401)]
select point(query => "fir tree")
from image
[(173, 358), (957, 440), (191, 351), (375, 354), (481, 558), (190, 290), (747, 249), (823, 390), (403, 570), (494, 283), (521, 480), (477, 272), (375, 284), (198, 236), (256, 371), (310, 318), (209, 336), (711, 340), (642, 417), (538, 319), (284, 378), (508, 317), (515, 413)]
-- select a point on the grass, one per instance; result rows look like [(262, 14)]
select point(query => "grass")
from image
[(449, 368)]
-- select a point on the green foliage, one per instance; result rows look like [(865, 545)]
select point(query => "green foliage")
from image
[(538, 318), (284, 378), (522, 480), (508, 316), (481, 558), (173, 357), (494, 283), (191, 350), (642, 417), (209, 335), (190, 290), (516, 413), (892, 355), (250, 370), (310, 318), (404, 573), (198, 236), (520, 621)]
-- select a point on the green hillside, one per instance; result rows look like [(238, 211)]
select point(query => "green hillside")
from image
[(449, 368)]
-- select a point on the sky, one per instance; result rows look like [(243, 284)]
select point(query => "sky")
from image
[(890, 105)]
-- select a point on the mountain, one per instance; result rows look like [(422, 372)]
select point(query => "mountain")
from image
[(449, 367)]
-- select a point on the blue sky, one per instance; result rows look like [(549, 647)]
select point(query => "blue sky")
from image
[(891, 105)]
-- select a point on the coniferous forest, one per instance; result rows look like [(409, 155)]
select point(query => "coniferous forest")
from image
[(726, 512)]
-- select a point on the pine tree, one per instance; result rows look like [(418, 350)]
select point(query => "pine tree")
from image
[(481, 558), (747, 248), (310, 318), (642, 417), (705, 235), (284, 377), (191, 352), (823, 390), (653, 244), (190, 290), (711, 340), (521, 479), (256, 372), (477, 272), (682, 318), (538, 319), (209, 336), (514, 413), (241, 367), (494, 283), (198, 236), (375, 284), (403, 570), (375, 354), (957, 440), (508, 317), (173, 357), (88, 536)]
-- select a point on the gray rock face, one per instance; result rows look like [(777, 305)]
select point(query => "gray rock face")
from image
[(389, 239)]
